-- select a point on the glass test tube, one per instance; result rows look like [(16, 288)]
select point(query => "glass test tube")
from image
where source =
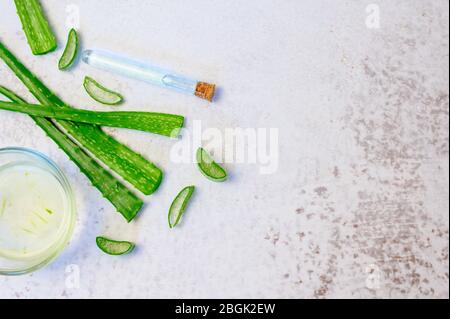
[(139, 70)]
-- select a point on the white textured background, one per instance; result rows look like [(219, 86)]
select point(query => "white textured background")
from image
[(364, 149)]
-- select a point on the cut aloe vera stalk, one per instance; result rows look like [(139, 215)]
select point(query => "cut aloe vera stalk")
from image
[(178, 206), (113, 247), (209, 168), (39, 34), (70, 52), (100, 93)]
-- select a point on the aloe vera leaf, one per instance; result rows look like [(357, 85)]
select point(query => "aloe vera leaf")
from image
[(133, 167), (114, 247), (100, 93), (37, 29), (157, 123), (115, 192), (70, 51)]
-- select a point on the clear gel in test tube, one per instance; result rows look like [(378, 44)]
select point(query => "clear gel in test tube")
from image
[(139, 70)]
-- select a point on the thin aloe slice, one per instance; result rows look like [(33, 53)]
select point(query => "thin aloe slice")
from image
[(70, 52), (115, 192), (100, 93), (179, 205), (36, 27), (114, 247), (209, 168)]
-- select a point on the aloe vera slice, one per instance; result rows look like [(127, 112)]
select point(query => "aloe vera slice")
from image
[(100, 93), (114, 247), (37, 30), (179, 205), (70, 52), (209, 168)]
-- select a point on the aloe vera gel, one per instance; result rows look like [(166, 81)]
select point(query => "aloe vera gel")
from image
[(36, 211)]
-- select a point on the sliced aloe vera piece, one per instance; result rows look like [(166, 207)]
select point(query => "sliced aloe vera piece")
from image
[(114, 247), (70, 52), (100, 93), (209, 168), (179, 205)]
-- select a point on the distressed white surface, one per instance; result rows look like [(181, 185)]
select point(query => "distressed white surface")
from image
[(363, 181)]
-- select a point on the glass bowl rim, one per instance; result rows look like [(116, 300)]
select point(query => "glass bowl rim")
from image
[(62, 242)]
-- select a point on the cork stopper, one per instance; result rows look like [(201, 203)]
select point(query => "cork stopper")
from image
[(205, 91)]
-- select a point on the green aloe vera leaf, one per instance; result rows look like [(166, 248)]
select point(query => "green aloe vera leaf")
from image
[(36, 27), (157, 123)]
